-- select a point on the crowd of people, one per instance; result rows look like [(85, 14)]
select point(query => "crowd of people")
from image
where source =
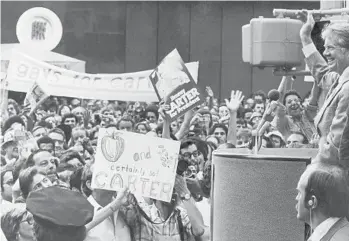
[(48, 155)]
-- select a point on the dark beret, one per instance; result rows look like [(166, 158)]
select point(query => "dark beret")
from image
[(60, 206), (10, 121)]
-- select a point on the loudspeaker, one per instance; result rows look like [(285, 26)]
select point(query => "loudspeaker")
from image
[(253, 196)]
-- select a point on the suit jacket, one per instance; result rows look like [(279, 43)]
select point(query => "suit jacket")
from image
[(344, 143), (331, 119), (338, 232)]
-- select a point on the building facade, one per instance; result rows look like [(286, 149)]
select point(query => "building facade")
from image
[(118, 37)]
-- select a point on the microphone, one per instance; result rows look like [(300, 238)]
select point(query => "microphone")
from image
[(274, 95)]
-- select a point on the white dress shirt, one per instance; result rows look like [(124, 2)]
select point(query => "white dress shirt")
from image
[(110, 229), (321, 230)]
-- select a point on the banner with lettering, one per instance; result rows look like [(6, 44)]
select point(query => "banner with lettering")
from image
[(24, 70), (175, 86), (146, 165)]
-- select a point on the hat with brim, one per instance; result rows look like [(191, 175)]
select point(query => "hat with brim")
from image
[(275, 133), (58, 206)]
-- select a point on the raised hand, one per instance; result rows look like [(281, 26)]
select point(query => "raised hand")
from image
[(307, 18), (122, 199), (209, 91), (236, 98), (162, 111)]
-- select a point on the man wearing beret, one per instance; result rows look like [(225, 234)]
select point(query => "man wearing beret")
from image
[(65, 215)]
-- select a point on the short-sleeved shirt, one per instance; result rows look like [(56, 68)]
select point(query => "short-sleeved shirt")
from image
[(159, 229)]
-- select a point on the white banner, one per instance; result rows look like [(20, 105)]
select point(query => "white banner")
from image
[(146, 165), (23, 71)]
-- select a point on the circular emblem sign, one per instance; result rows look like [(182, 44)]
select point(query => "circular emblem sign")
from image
[(39, 28)]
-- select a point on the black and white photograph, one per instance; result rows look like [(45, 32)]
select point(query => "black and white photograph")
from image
[(174, 120)]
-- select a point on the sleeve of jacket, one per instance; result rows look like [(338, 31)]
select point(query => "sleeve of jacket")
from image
[(344, 143), (338, 124)]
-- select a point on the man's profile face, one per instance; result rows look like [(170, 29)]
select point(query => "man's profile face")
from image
[(302, 211), (334, 54)]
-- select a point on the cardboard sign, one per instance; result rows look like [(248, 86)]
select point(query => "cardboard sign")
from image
[(35, 97), (24, 70), (146, 165), (175, 86)]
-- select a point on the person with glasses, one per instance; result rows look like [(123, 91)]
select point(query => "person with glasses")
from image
[(331, 76), (189, 152), (58, 136), (17, 224)]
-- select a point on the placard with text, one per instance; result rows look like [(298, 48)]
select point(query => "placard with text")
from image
[(146, 165), (175, 86)]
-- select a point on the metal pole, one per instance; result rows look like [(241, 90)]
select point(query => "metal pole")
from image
[(317, 13)]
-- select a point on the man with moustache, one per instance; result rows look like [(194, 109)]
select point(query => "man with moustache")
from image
[(331, 118), (322, 201)]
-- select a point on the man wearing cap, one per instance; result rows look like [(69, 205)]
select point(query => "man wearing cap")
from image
[(10, 147), (65, 215), (59, 214)]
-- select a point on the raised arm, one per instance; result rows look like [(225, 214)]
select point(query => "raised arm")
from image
[(285, 84), (184, 129), (316, 63), (233, 105)]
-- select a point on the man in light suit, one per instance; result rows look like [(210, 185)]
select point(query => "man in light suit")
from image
[(322, 201), (344, 144), (333, 77)]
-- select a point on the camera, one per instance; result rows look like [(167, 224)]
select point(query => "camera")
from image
[(183, 165)]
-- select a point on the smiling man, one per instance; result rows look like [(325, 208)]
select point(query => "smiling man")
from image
[(332, 76)]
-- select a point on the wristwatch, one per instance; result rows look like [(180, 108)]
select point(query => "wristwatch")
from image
[(186, 197)]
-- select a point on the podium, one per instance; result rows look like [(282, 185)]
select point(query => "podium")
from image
[(253, 196)]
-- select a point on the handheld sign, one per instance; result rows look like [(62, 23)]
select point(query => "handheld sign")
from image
[(175, 86), (35, 97), (146, 165)]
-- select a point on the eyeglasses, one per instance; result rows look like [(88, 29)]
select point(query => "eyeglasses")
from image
[(188, 155)]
